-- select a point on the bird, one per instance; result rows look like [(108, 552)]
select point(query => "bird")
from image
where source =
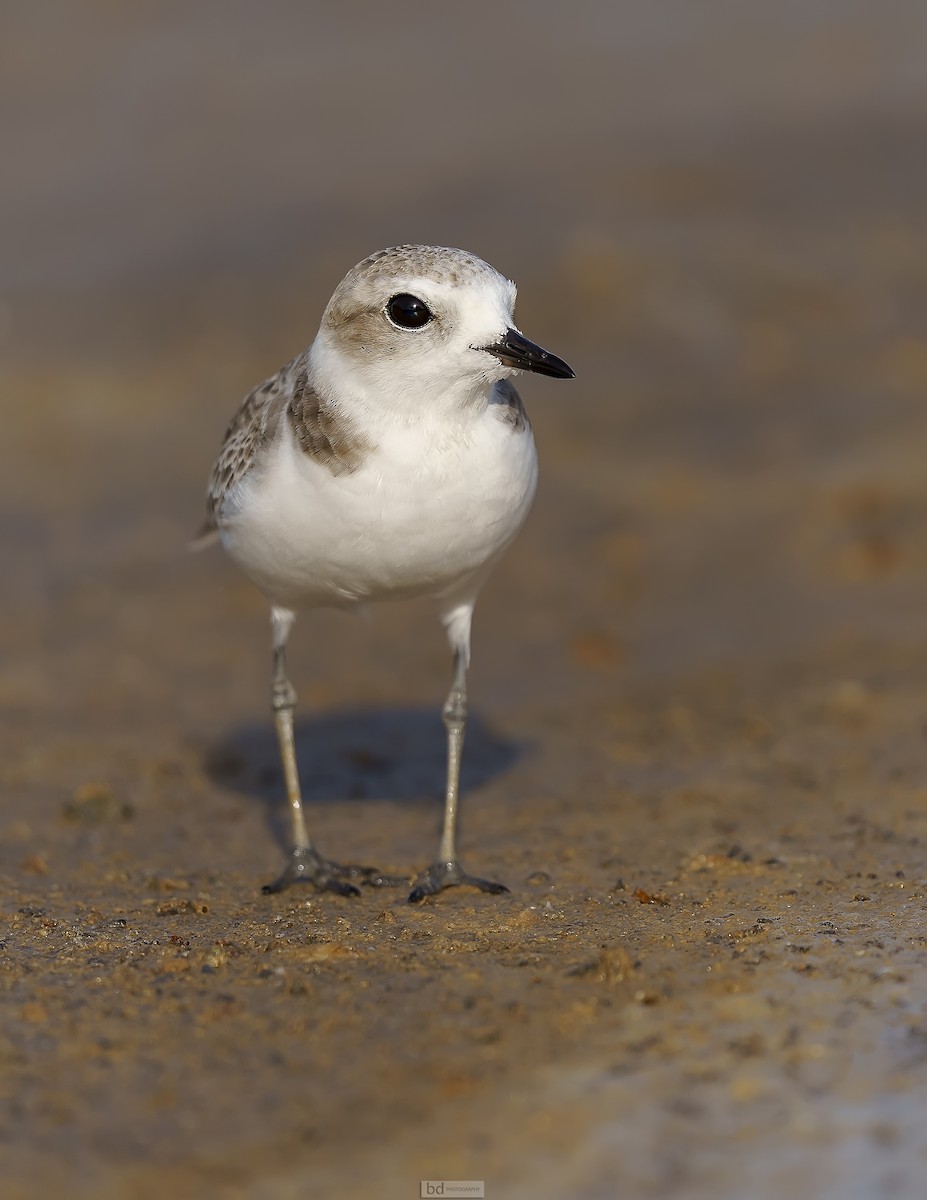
[(392, 459)]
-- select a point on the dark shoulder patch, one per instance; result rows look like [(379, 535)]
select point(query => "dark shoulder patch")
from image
[(509, 408), (322, 433)]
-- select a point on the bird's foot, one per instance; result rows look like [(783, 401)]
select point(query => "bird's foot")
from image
[(441, 875), (308, 866)]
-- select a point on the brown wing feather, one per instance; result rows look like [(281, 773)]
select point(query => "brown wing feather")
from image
[(250, 430), (320, 433)]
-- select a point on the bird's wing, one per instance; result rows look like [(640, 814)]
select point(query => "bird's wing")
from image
[(320, 432), (250, 431)]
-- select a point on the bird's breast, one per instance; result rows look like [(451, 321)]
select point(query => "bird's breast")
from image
[(427, 508)]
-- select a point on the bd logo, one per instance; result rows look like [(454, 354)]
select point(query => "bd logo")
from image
[(460, 1189)]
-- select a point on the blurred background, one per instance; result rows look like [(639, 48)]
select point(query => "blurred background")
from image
[(715, 213), (714, 209)]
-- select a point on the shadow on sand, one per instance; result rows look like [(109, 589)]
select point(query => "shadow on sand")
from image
[(359, 754)]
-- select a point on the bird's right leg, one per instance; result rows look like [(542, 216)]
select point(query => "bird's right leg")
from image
[(306, 864), (446, 870)]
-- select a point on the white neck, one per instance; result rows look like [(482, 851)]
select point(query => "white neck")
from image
[(378, 395)]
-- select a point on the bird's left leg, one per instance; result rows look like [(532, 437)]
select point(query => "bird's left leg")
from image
[(305, 864), (446, 871)]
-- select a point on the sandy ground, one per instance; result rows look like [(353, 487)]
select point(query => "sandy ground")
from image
[(698, 756)]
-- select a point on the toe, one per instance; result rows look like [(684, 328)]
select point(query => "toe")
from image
[(443, 875), (488, 885), (339, 886)]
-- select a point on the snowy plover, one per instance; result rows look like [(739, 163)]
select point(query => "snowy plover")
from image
[(393, 458)]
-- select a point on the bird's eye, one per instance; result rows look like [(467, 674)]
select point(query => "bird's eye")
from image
[(408, 312)]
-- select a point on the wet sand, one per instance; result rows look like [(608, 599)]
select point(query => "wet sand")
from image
[(698, 755)]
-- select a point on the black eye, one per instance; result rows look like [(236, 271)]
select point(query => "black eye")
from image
[(408, 312)]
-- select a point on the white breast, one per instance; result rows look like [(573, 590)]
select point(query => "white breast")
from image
[(427, 512)]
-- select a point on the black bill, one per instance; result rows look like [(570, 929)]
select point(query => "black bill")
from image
[(513, 350)]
